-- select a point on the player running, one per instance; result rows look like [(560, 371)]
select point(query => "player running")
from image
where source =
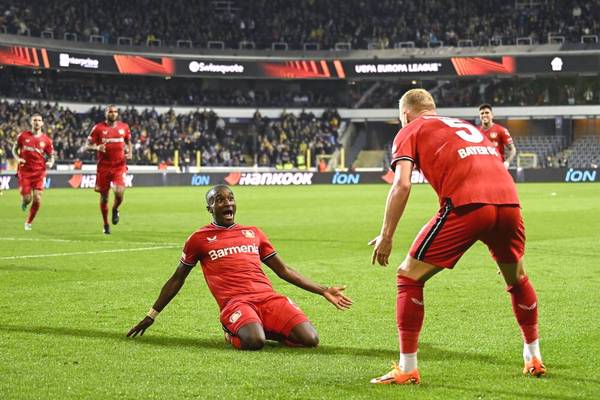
[(478, 200), (111, 140), (497, 134), (231, 256), (34, 153)]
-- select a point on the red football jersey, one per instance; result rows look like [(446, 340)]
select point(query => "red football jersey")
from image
[(457, 160), (114, 138), (499, 136), (231, 260), (32, 149)]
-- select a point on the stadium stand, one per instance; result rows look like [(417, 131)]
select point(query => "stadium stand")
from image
[(583, 153), (155, 137), (321, 24), (49, 85), (544, 147), (499, 92), (72, 86)]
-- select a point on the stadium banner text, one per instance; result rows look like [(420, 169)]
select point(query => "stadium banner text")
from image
[(142, 64), (291, 178)]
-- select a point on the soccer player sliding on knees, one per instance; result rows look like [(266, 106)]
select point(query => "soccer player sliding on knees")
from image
[(478, 201), (231, 256)]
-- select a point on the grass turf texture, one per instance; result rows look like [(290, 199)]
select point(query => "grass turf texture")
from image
[(63, 318)]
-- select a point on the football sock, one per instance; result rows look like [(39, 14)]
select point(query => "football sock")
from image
[(409, 317), (104, 210), (35, 206), (524, 303), (117, 202), (235, 342), (531, 350), (408, 362)]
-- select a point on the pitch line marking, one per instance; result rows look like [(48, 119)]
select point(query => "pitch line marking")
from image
[(81, 241), (81, 253)]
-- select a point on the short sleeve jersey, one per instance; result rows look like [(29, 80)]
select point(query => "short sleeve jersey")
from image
[(114, 138), (34, 151), (458, 161), (231, 260), (499, 136)]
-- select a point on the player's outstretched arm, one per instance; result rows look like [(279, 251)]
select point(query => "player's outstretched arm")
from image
[(394, 208), (333, 294), (169, 290)]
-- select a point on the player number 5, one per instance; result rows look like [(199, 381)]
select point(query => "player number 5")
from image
[(467, 131)]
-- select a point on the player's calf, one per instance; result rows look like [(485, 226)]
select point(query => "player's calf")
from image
[(115, 216), (25, 201)]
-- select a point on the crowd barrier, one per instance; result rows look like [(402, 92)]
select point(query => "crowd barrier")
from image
[(291, 178)]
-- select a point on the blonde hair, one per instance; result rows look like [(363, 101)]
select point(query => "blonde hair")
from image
[(417, 100)]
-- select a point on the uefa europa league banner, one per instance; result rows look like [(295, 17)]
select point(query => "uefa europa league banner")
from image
[(105, 61)]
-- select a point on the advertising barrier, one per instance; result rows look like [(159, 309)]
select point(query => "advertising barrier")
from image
[(205, 67), (291, 178)]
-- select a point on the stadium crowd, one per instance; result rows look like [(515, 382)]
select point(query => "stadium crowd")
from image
[(28, 84), (499, 92), (323, 22), (68, 86), (155, 136)]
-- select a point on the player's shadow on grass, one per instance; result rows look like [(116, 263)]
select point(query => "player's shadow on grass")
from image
[(480, 392), (169, 341), (427, 351)]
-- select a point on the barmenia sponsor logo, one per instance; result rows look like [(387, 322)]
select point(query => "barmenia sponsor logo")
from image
[(215, 254)]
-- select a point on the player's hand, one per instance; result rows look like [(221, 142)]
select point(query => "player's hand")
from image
[(506, 164), (140, 327), (128, 155), (335, 295), (21, 160), (49, 164), (382, 250), (101, 148)]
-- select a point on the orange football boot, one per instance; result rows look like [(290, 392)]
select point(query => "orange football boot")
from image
[(534, 367), (398, 377)]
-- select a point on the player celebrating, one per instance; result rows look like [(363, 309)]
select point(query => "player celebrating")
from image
[(30, 151), (111, 140), (497, 134), (478, 201), (230, 255)]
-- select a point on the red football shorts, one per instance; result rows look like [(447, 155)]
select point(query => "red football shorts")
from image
[(276, 313), (29, 181), (444, 239), (104, 177)]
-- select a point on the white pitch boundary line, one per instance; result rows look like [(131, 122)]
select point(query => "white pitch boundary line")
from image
[(80, 253), (83, 241)]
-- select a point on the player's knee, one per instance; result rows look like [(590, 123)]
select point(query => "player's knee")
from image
[(311, 340), (253, 342)]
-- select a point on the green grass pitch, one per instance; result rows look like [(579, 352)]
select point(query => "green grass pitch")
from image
[(65, 310)]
